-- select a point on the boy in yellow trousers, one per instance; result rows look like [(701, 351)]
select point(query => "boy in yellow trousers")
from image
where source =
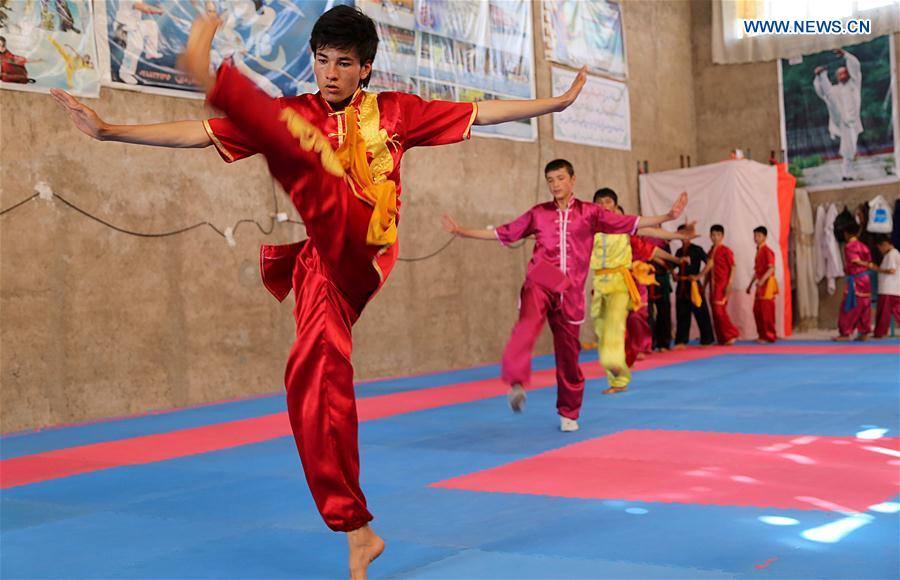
[(614, 291)]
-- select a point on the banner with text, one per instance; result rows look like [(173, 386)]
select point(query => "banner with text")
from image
[(458, 50), (600, 117)]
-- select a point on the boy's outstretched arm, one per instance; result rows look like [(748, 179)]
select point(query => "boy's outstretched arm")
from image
[(178, 134), (674, 213), (454, 228), (660, 254), (661, 234), (501, 111)]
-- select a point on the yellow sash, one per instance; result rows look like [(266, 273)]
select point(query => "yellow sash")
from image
[(382, 196), (696, 295), (644, 273), (771, 289)]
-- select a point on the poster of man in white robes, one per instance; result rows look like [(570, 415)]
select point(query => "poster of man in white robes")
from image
[(838, 116)]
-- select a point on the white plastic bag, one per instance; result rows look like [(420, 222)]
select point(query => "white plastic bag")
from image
[(880, 220)]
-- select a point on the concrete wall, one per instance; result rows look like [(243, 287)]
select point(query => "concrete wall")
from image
[(95, 323), (737, 107)]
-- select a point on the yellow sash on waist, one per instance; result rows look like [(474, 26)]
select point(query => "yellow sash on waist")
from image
[(644, 273), (633, 293), (771, 289), (696, 295)]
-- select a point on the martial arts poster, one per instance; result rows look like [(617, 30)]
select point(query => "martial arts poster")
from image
[(459, 50), (46, 44), (585, 32), (268, 40), (600, 117), (838, 116)]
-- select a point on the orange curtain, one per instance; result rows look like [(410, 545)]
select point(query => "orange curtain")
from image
[(786, 185)]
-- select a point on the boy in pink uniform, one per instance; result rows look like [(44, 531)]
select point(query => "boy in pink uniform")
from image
[(856, 308), (564, 232)]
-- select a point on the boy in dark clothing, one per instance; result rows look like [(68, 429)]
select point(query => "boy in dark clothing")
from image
[(689, 296)]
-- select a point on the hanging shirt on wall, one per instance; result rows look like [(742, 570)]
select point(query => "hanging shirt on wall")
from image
[(804, 230), (818, 244), (829, 264)]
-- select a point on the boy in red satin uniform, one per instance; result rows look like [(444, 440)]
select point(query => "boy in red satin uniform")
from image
[(766, 287), (720, 270), (337, 154)]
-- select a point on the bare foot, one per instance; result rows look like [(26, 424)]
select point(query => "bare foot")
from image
[(761, 341), (841, 339), (862, 338), (730, 342), (663, 349), (365, 546), (679, 346), (516, 398), (640, 356), (613, 390)]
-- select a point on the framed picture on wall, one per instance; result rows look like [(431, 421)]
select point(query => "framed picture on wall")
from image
[(47, 46), (585, 32), (467, 50), (839, 116), (139, 43)]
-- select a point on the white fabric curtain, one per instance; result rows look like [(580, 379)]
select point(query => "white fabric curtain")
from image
[(730, 45), (804, 236), (739, 195)]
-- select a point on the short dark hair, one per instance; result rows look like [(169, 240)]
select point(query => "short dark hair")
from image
[(3, 38), (851, 228), (606, 192), (559, 164), (717, 228), (620, 208), (881, 239), (682, 227), (346, 28), (761, 230)]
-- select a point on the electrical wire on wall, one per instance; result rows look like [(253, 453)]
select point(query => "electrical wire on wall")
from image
[(44, 192)]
